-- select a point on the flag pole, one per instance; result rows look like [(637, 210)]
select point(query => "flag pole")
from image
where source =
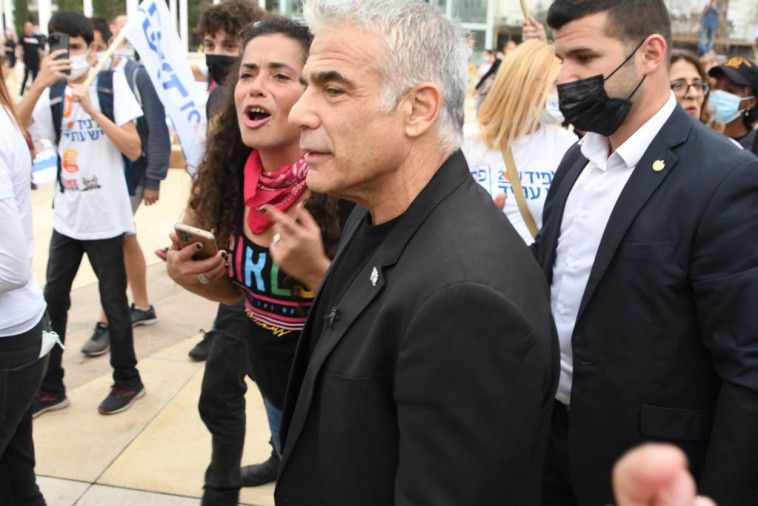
[(108, 54), (524, 9)]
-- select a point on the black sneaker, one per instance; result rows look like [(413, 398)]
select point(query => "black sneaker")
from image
[(120, 398), (142, 316), (203, 348), (260, 474), (49, 402), (99, 342)]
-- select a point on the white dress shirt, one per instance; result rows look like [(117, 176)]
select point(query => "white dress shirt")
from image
[(585, 217)]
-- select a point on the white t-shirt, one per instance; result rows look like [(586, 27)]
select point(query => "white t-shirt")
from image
[(21, 308), (536, 155), (95, 203)]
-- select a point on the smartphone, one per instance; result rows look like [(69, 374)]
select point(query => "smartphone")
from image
[(188, 235), (58, 41)]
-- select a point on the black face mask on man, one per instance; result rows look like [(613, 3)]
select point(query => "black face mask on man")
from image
[(219, 66), (585, 104)]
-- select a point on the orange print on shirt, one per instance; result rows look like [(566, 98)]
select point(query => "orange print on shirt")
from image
[(69, 161), (68, 106)]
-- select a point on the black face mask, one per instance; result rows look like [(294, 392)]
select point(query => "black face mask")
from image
[(585, 104), (218, 66)]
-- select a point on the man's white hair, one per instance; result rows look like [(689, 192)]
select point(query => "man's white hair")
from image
[(422, 44)]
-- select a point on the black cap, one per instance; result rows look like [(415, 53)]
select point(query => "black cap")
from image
[(740, 71)]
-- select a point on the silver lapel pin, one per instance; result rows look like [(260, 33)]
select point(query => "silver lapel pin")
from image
[(374, 276)]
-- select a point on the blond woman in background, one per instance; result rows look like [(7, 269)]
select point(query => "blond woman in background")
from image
[(521, 113)]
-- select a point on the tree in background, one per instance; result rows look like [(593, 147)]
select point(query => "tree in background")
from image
[(20, 15), (107, 8)]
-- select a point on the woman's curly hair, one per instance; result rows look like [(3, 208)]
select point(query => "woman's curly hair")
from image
[(216, 196)]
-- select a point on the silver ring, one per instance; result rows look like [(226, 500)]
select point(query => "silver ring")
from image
[(277, 238), (203, 280)]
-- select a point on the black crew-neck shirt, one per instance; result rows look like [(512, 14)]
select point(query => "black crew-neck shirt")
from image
[(32, 45), (360, 249)]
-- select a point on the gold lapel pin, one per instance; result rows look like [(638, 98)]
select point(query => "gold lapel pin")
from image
[(659, 165)]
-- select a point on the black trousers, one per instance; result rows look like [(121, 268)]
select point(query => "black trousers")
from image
[(28, 69), (222, 404), (556, 482), (107, 259), (240, 349), (21, 373)]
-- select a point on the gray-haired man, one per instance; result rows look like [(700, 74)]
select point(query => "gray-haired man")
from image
[(426, 370)]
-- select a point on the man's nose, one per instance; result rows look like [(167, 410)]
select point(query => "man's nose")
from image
[(302, 114), (566, 74)]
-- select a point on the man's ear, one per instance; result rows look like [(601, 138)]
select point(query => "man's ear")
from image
[(421, 107), (653, 53)]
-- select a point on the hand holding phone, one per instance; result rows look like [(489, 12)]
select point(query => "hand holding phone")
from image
[(58, 41), (189, 235)]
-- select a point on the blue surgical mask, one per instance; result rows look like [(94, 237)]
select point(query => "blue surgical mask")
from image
[(551, 114), (725, 105)]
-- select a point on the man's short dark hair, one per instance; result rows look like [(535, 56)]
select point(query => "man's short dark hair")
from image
[(73, 24), (628, 20), (101, 25), (232, 16)]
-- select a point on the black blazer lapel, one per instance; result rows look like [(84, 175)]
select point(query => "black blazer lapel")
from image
[(369, 282), (645, 179), (300, 362), (354, 301)]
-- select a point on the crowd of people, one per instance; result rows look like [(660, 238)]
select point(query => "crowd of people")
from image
[(501, 313)]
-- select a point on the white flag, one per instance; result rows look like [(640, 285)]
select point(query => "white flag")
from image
[(153, 34)]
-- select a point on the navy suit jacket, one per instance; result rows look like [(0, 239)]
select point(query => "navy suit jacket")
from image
[(666, 341), (435, 383)]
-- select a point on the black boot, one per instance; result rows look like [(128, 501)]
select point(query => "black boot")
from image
[(260, 474), (201, 350)]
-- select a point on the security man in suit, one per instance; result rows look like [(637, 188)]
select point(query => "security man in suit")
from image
[(650, 247), (426, 371)]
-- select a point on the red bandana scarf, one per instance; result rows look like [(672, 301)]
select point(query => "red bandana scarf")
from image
[(279, 189)]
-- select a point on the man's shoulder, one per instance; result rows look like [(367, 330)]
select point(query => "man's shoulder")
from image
[(135, 72), (709, 155), (467, 227), (119, 78)]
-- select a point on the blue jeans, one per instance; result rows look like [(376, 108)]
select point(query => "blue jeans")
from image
[(274, 416), (707, 40), (107, 259)]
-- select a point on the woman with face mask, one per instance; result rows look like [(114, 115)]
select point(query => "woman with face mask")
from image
[(520, 120), (734, 100)]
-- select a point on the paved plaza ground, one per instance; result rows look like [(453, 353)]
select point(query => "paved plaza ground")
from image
[(155, 453)]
